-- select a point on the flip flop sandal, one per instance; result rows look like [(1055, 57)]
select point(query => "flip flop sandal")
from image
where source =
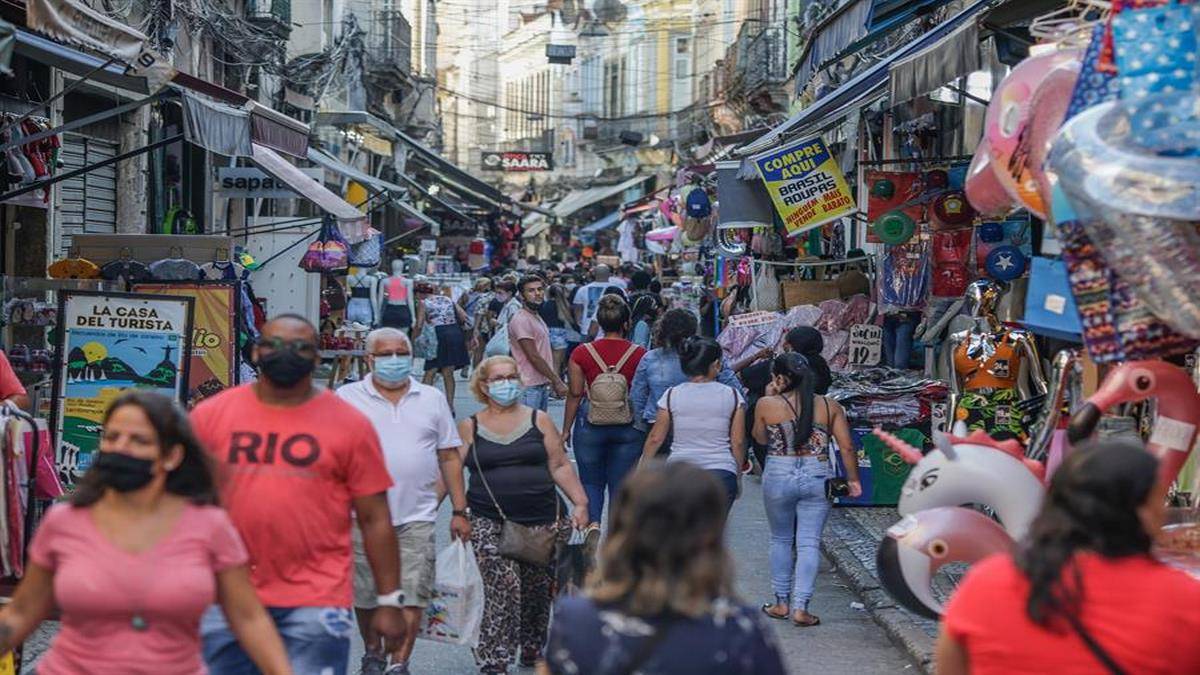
[(816, 621), (766, 609)]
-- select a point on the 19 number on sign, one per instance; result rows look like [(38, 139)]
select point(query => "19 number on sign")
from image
[(866, 345)]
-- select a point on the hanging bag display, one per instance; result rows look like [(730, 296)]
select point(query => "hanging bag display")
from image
[(369, 251), (1049, 305), (766, 290), (329, 253)]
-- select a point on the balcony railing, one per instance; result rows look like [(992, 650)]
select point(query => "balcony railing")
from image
[(758, 57), (389, 46), (273, 14)]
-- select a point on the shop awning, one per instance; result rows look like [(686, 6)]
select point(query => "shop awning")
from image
[(435, 227), (611, 220), (871, 82), (887, 16), (847, 24), (578, 199), (436, 199), (47, 51), (453, 181), (337, 166), (533, 225), (453, 176), (351, 221), (215, 126), (951, 57), (744, 203)]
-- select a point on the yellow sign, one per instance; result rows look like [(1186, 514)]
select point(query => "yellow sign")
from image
[(7, 667), (806, 184)]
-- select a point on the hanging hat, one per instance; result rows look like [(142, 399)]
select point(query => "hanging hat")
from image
[(937, 179), (895, 227), (983, 187), (952, 210), (884, 188), (991, 232), (1005, 263)]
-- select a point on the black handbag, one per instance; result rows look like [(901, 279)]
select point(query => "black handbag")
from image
[(522, 543)]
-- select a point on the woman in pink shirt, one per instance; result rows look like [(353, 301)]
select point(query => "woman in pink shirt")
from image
[(137, 556)]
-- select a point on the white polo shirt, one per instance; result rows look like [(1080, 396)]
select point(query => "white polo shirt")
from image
[(410, 433)]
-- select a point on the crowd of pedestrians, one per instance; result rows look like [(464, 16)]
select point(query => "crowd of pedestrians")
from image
[(257, 532)]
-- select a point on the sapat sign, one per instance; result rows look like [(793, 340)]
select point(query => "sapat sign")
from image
[(248, 182), (806, 184), (518, 161)]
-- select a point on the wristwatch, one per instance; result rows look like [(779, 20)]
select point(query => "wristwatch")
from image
[(393, 599), (465, 513)]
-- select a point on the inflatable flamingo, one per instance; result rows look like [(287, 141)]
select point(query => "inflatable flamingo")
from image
[(919, 545), (1178, 410)]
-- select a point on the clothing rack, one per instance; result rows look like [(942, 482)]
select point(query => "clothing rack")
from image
[(945, 159), (104, 248)]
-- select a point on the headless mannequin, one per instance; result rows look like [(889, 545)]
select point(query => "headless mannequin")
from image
[(364, 286), (395, 299), (994, 368)]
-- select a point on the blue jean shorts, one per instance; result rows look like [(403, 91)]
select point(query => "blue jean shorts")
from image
[(558, 338), (317, 640)]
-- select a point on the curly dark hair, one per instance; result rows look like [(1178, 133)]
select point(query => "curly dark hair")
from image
[(675, 326), (665, 547), (1092, 505), (194, 478)]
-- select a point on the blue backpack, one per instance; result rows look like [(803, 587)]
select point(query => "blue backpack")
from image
[(698, 204)]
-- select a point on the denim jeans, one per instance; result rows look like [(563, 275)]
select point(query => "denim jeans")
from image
[(605, 455), (729, 481), (898, 339), (317, 640), (537, 397), (794, 494)]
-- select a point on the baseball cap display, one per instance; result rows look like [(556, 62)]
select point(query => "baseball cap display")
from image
[(884, 188), (895, 227), (1005, 263), (991, 232), (951, 209), (937, 179)]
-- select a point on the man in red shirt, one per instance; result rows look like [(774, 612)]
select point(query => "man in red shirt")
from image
[(298, 463)]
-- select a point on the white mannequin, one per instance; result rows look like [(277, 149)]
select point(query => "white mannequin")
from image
[(385, 293), (364, 278)]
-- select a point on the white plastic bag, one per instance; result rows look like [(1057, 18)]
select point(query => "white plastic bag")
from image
[(455, 612), (766, 290)]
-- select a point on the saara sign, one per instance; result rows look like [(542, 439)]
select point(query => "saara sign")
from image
[(518, 161), (247, 182), (805, 183)]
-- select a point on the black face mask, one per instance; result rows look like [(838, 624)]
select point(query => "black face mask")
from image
[(284, 367), (122, 472)]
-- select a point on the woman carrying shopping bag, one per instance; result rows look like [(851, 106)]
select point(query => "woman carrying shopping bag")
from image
[(517, 463)]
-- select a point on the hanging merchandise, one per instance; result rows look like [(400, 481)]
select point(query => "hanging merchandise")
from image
[(1152, 46), (1005, 263), (1139, 205), (1095, 85), (1009, 128), (766, 296), (1049, 305), (894, 227), (984, 190), (73, 268), (329, 253), (951, 210), (904, 274), (951, 258), (369, 251), (698, 204)]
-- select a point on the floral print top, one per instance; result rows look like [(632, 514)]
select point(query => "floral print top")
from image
[(587, 639)]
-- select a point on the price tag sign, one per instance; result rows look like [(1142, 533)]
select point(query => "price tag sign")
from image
[(866, 345), (429, 245)]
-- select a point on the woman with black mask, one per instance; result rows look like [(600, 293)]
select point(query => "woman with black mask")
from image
[(137, 555)]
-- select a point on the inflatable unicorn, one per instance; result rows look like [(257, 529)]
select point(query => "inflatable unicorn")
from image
[(977, 469)]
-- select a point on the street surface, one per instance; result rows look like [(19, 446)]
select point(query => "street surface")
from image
[(847, 641)]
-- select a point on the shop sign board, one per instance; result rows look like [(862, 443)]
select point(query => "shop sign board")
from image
[(214, 362), (248, 182), (806, 184), (866, 345), (429, 245), (108, 343), (518, 161)]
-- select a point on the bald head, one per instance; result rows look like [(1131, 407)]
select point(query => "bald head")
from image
[(601, 273)]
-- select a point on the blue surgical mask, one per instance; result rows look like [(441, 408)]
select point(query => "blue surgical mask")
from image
[(504, 392), (393, 370)]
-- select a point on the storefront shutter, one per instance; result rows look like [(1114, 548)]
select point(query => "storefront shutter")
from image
[(88, 203)]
